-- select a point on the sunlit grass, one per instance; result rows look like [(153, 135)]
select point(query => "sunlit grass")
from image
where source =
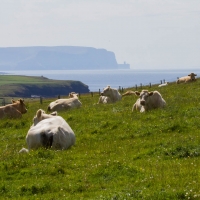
[(118, 154)]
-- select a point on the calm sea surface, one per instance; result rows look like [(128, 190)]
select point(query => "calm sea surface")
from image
[(98, 79)]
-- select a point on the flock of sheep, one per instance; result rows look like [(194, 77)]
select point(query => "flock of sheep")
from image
[(147, 100), (52, 131)]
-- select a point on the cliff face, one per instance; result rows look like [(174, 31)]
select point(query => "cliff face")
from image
[(49, 91), (56, 58)]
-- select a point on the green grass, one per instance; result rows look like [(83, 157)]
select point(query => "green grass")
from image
[(11, 85), (118, 154), (13, 79)]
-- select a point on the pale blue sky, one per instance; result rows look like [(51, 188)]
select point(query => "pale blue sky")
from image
[(144, 33)]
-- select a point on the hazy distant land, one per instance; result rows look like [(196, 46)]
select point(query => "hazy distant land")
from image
[(58, 58)]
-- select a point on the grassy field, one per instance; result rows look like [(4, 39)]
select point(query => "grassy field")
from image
[(12, 84), (14, 79), (118, 154)]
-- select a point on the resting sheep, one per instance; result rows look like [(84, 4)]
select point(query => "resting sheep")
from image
[(148, 100), (109, 95), (128, 93), (65, 104), (49, 131), (14, 110), (164, 84), (189, 78)]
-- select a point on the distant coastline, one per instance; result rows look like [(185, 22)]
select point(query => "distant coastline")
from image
[(58, 58)]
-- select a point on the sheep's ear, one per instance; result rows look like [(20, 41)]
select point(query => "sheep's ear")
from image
[(150, 93), (39, 113), (21, 101), (137, 93)]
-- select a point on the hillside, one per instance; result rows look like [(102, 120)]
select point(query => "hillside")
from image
[(25, 86), (118, 154), (57, 58)]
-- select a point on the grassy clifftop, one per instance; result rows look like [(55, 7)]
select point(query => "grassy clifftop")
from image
[(25, 86)]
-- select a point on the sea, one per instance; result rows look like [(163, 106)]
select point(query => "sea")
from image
[(119, 78)]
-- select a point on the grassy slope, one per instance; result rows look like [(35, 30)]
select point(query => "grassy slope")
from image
[(9, 84), (12, 79), (118, 154)]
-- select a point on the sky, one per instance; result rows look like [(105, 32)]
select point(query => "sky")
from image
[(147, 34)]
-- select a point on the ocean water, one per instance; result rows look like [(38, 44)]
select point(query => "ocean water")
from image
[(99, 79)]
